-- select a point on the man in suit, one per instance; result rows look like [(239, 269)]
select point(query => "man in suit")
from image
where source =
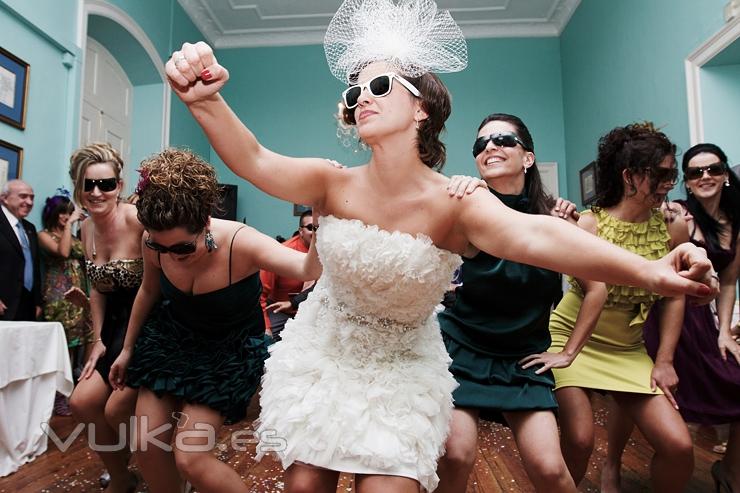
[(20, 289)]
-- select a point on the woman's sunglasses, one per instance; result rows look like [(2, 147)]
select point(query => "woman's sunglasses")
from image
[(499, 140), (185, 248), (378, 86), (696, 172), (103, 184), (663, 175)]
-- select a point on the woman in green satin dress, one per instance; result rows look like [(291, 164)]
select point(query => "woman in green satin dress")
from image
[(499, 318)]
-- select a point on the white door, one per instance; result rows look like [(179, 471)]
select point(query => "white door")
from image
[(107, 102)]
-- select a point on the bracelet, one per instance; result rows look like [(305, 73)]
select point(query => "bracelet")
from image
[(97, 340)]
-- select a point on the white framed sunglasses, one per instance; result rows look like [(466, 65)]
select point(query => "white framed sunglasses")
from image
[(378, 86)]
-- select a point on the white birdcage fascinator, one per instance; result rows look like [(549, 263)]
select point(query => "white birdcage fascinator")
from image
[(411, 35)]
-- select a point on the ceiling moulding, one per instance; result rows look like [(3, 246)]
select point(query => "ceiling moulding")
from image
[(203, 18)]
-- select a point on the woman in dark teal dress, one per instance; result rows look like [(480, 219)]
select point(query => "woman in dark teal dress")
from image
[(202, 350), (501, 316)]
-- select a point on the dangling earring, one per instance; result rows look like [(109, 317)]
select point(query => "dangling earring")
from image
[(727, 182), (525, 170), (688, 191), (210, 242), (416, 124)]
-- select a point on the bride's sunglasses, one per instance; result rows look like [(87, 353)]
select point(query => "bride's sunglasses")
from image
[(499, 140), (696, 172), (378, 86), (103, 184)]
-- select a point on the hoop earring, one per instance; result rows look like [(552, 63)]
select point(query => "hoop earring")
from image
[(416, 124), (727, 182), (688, 191), (210, 242)]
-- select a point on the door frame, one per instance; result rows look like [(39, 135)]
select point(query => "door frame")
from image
[(692, 67), (104, 9)]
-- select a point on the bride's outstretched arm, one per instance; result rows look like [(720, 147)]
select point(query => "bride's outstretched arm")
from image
[(556, 245), (196, 78)]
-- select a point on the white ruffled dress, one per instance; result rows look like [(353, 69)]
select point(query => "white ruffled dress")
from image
[(360, 381)]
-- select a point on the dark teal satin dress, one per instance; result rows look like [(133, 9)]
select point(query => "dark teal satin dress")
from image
[(205, 349), (500, 315)]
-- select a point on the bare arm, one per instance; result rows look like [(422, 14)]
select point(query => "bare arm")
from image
[(725, 303), (302, 181), (268, 254), (594, 297), (97, 314), (61, 248), (671, 323), (556, 245)]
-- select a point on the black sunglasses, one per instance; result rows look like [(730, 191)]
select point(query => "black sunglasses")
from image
[(663, 175), (103, 184), (499, 140), (696, 172), (185, 248), (310, 227)]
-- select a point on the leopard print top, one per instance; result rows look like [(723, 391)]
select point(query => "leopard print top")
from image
[(115, 274)]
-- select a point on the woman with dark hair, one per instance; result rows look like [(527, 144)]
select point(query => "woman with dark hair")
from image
[(63, 261), (707, 358), (202, 351), (635, 171), (500, 316), (360, 381), (111, 239)]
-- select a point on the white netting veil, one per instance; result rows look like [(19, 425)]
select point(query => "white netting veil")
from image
[(411, 35)]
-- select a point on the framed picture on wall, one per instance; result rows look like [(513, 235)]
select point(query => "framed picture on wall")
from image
[(11, 162), (13, 89), (588, 183)]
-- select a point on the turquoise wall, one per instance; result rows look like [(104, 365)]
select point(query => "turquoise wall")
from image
[(623, 61), (287, 97), (720, 88), (52, 92), (616, 62), (44, 34)]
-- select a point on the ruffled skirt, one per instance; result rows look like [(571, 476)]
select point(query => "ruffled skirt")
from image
[(221, 373), (495, 385), (344, 393)]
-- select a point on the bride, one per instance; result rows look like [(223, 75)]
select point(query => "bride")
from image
[(359, 382)]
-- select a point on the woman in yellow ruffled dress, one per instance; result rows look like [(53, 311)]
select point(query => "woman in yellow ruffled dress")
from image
[(635, 170)]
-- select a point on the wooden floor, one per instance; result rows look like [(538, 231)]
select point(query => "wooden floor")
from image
[(497, 467)]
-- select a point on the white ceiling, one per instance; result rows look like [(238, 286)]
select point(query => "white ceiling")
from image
[(248, 23)]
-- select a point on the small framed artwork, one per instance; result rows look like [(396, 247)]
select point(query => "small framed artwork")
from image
[(588, 183), (299, 209), (13, 89), (11, 162)]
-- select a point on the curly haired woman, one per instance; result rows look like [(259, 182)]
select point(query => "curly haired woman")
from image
[(202, 351), (636, 168), (707, 357)]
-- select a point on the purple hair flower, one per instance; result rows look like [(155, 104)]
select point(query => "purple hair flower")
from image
[(143, 181)]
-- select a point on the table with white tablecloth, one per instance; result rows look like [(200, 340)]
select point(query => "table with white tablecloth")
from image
[(34, 365)]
